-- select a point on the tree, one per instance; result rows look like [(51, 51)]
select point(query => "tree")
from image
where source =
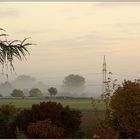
[(24, 81), (35, 92), (17, 93), (6, 88), (74, 83), (52, 91), (125, 104), (9, 50), (40, 85), (26, 92)]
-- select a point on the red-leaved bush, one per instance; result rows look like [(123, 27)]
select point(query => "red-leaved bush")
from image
[(64, 117), (125, 104), (7, 117), (105, 133), (44, 129)]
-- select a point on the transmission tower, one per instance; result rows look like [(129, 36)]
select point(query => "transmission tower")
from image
[(104, 75)]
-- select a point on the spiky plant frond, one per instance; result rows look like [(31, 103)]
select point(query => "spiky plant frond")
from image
[(9, 50)]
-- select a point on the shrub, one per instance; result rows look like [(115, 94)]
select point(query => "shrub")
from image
[(61, 116), (7, 117), (17, 93), (105, 133), (35, 92), (125, 104), (44, 129)]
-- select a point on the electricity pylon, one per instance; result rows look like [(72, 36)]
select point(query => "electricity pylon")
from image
[(104, 71)]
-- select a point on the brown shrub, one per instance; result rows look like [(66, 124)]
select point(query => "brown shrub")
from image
[(105, 133), (125, 104), (44, 129), (7, 117), (64, 117)]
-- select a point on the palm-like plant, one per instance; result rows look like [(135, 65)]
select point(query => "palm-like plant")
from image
[(10, 50)]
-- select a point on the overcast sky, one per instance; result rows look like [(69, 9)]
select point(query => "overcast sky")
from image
[(73, 37)]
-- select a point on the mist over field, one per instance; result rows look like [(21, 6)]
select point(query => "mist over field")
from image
[(72, 38)]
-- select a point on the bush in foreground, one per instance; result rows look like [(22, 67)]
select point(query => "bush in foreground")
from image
[(63, 117), (44, 129), (105, 133), (7, 117), (125, 104)]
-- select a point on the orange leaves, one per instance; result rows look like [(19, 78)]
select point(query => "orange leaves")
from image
[(125, 104), (105, 133), (44, 129)]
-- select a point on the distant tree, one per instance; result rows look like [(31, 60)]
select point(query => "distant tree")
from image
[(26, 92), (40, 85), (6, 88), (74, 83), (24, 81), (25, 78), (52, 91), (35, 92), (1, 95), (17, 93)]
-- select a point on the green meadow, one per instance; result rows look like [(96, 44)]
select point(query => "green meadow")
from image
[(81, 104)]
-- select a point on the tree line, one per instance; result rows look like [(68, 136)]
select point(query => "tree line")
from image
[(34, 92), (72, 85)]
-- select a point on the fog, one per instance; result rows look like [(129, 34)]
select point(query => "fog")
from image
[(72, 38), (26, 82)]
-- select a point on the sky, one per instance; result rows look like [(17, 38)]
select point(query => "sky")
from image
[(73, 37)]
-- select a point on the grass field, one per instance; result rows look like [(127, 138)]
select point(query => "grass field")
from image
[(81, 104)]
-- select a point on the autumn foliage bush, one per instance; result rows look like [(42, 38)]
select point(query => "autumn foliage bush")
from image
[(125, 104), (63, 117), (105, 133), (7, 125), (44, 129)]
